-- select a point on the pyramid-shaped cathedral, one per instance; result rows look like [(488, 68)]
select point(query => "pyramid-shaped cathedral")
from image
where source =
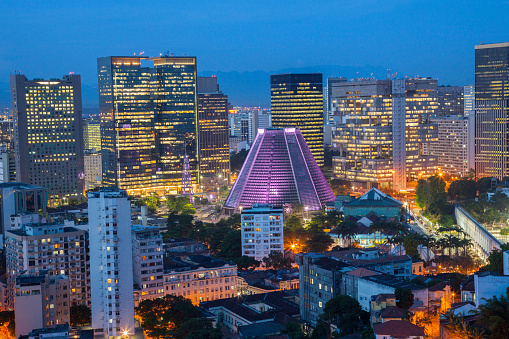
[(278, 170)]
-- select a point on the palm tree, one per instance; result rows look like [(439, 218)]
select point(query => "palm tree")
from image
[(348, 230), (465, 242), (495, 316), (462, 329), (333, 219)]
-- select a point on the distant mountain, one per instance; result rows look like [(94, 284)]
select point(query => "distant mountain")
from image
[(242, 88)]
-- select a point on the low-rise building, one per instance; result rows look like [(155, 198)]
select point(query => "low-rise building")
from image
[(235, 313), (489, 284), (266, 281), (373, 201), (57, 332), (200, 278), (41, 301), (383, 308), (93, 169)]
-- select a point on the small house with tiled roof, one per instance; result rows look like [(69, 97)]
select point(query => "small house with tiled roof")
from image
[(398, 329)]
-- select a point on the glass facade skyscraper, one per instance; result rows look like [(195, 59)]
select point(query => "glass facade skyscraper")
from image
[(48, 139), (296, 100), (148, 122), (492, 110)]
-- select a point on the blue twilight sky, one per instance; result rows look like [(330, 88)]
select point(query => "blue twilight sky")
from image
[(243, 42)]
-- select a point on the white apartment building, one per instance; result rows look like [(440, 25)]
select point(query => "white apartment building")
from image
[(212, 280), (148, 268), (453, 148), (93, 169), (57, 248), (111, 262), (262, 231)]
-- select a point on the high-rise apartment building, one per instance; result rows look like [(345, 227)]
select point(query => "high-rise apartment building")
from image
[(469, 99), (111, 262), (148, 268), (213, 134), (148, 122), (7, 166), (57, 248), (492, 110), (383, 131), (262, 231), (453, 148), (296, 100), (6, 134), (41, 301), (48, 139), (92, 133), (450, 100), (328, 96)]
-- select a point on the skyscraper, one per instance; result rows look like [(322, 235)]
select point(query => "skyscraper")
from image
[(48, 140), (450, 100), (148, 122), (492, 110), (296, 100), (383, 131), (213, 133), (111, 262), (92, 133), (278, 170), (329, 95)]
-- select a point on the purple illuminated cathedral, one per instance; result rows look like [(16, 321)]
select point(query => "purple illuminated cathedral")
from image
[(280, 169)]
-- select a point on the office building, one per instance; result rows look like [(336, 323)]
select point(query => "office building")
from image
[(243, 124), (279, 169), (48, 140), (92, 133), (41, 301), (6, 135), (491, 110), (383, 131), (262, 231), (56, 248), (328, 96), (264, 119), (18, 199), (93, 169), (469, 99), (450, 100), (453, 148), (148, 122), (213, 133), (111, 262), (296, 100), (7, 166), (148, 269)]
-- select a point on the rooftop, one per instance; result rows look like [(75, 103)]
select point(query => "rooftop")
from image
[(374, 197), (392, 281), (398, 329)]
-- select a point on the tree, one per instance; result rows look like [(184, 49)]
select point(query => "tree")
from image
[(496, 260), (459, 327), (237, 160), (276, 260), (340, 186), (294, 330), (179, 226), (495, 316), (462, 189), (8, 325), (345, 312), (347, 230), (317, 241), (80, 315), (197, 329), (231, 246), (410, 244), (161, 317), (246, 263), (180, 205), (404, 297)]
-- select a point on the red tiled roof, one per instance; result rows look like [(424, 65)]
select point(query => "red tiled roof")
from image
[(393, 312), (362, 272), (399, 329)]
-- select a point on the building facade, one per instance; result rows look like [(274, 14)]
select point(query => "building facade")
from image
[(6, 134), (7, 167), (56, 248), (213, 131), (383, 131), (453, 147), (93, 169), (48, 139), (92, 133), (148, 122), (111, 262), (262, 231), (450, 100), (491, 110), (296, 100), (41, 301), (148, 268), (328, 96)]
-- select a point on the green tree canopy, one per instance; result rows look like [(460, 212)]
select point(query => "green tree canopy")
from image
[(276, 260), (345, 312), (495, 316), (246, 263), (197, 329), (80, 315), (404, 297), (496, 260), (462, 189)]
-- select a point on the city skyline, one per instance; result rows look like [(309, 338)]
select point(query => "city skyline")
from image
[(242, 41)]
